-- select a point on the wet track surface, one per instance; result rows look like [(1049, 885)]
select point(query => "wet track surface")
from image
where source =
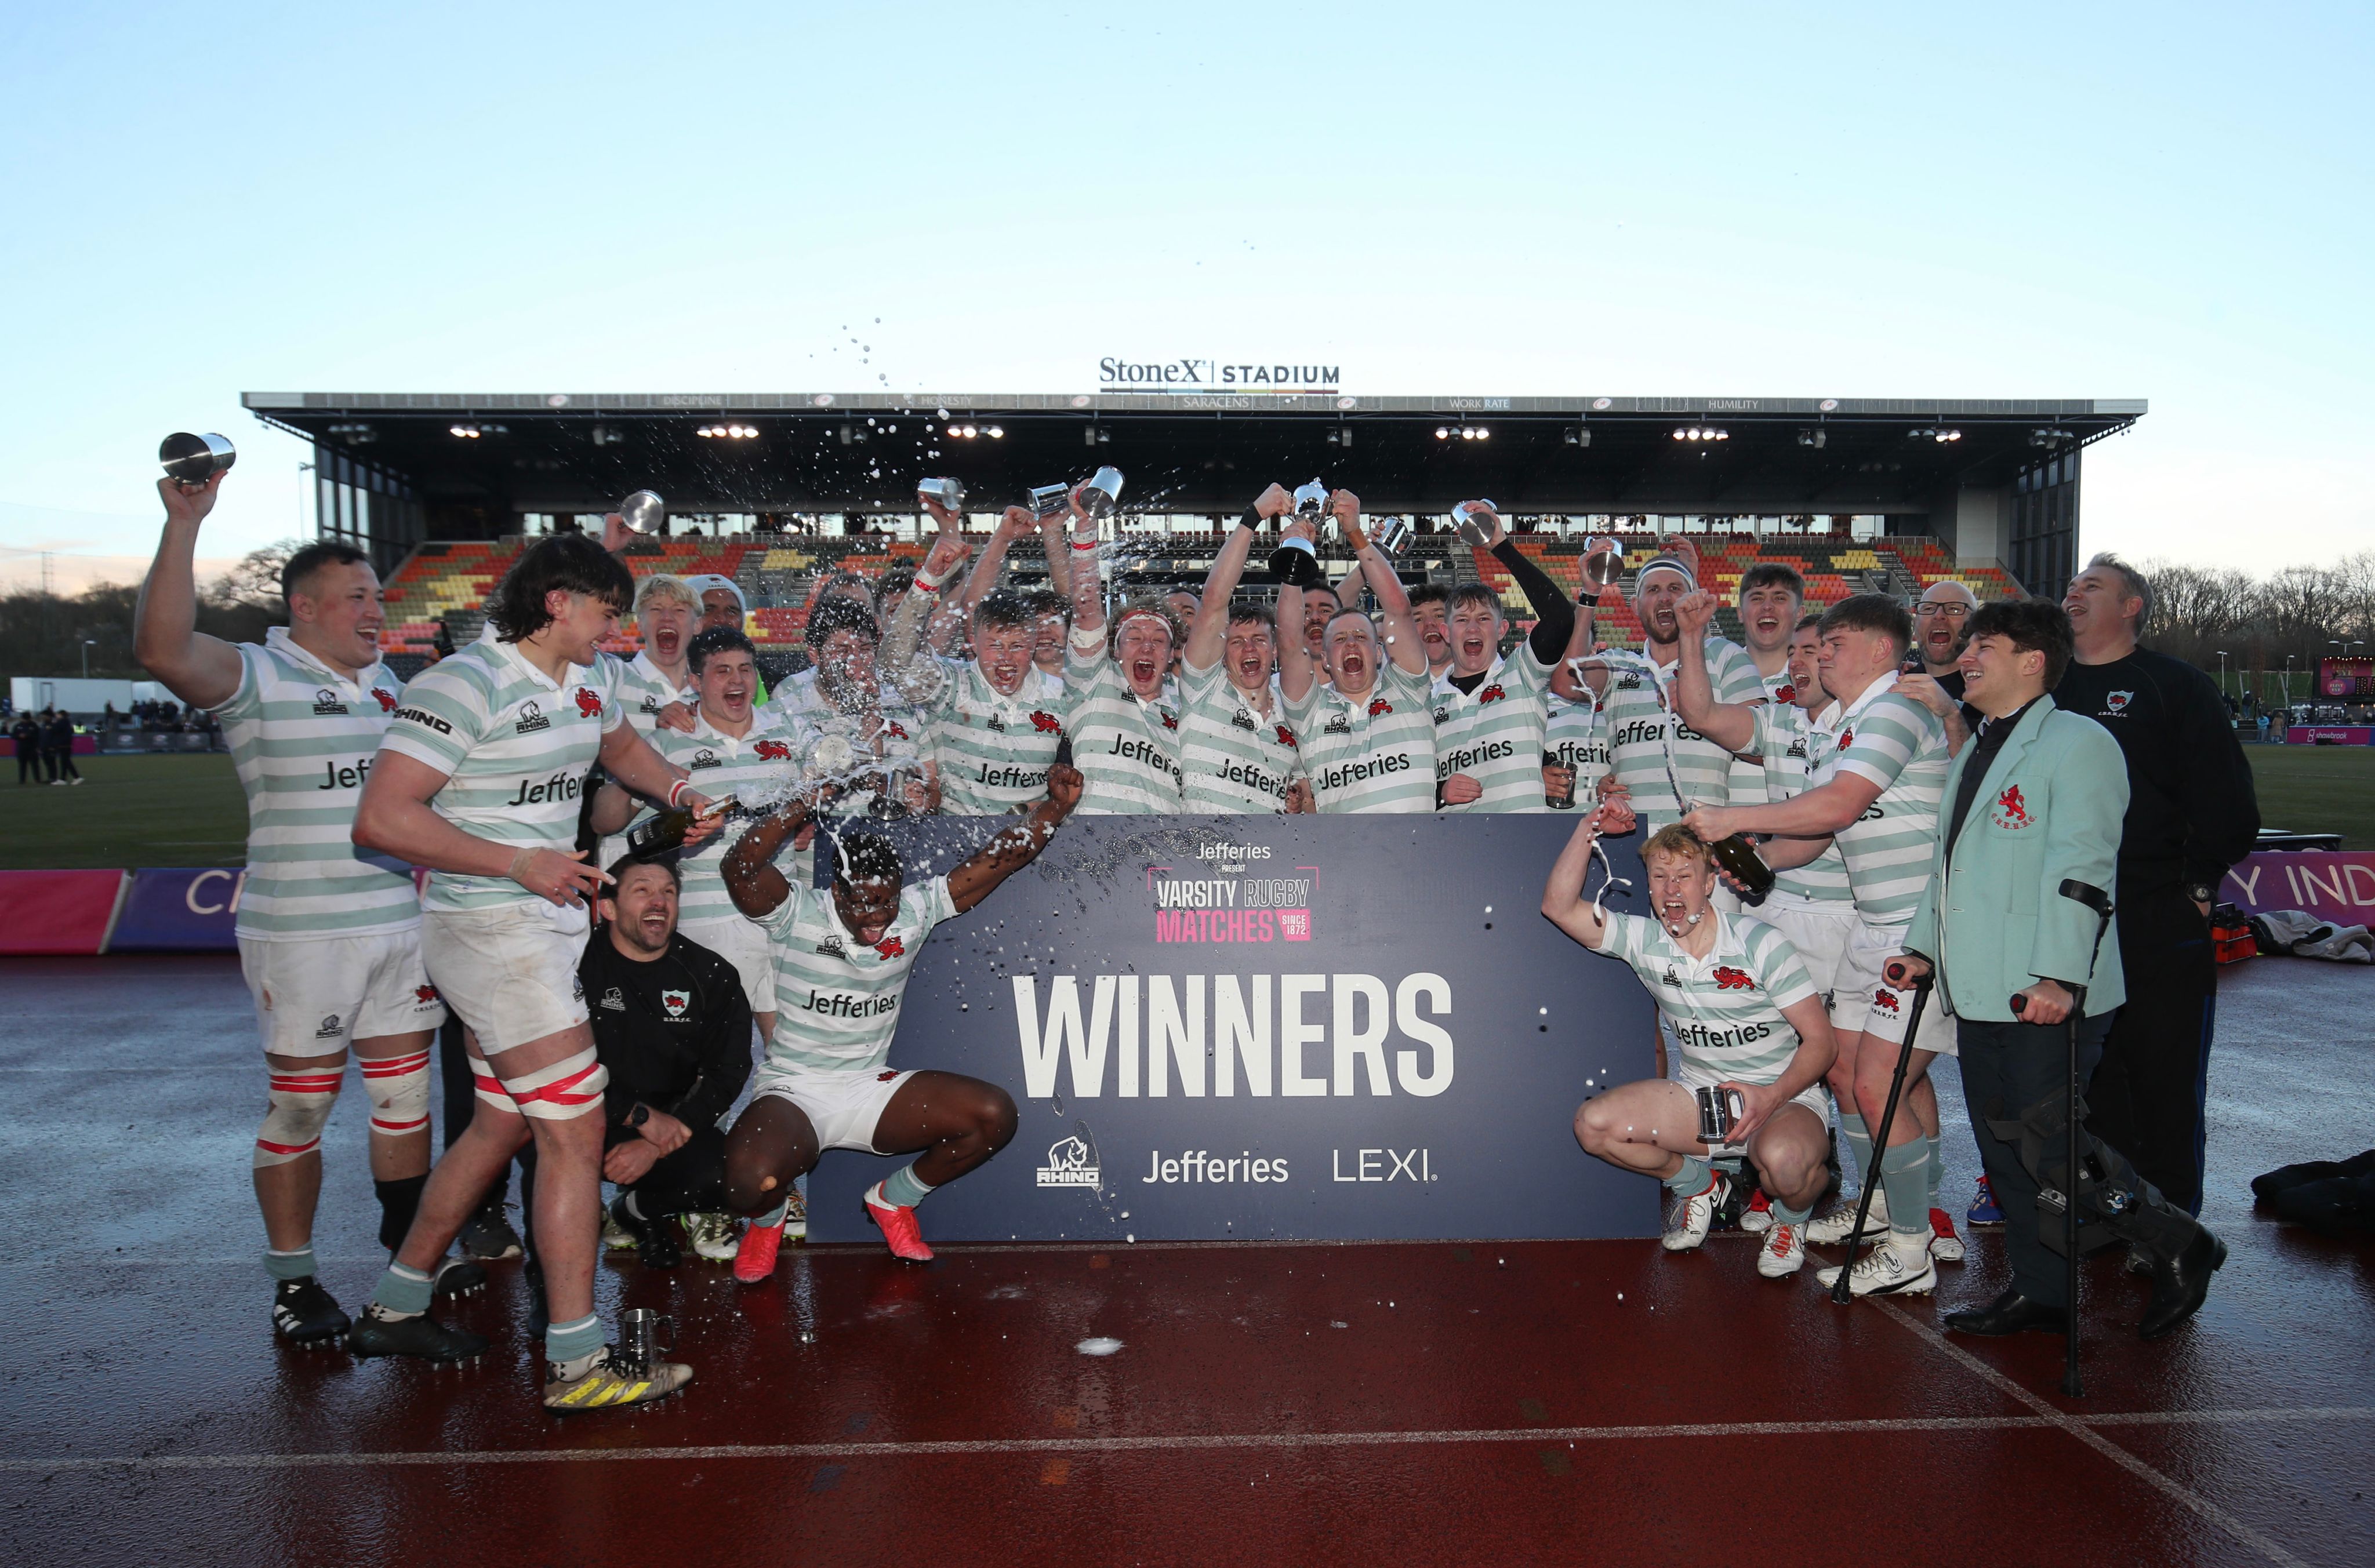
[(1442, 1402)]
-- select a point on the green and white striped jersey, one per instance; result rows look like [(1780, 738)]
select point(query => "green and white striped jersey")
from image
[(1578, 736), (1128, 751), (719, 764), (303, 738), (644, 690), (1372, 754), (1726, 1008), (1494, 734), (1792, 747), (1750, 782), (994, 750), (1235, 757), (1888, 739), (515, 746), (1638, 708), (837, 1002)]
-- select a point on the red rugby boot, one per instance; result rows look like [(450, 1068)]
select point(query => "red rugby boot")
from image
[(754, 1256), (898, 1227)]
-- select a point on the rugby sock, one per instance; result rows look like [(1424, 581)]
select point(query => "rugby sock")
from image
[(1905, 1177), (579, 1342), (297, 1264), (1785, 1215), (1937, 1168), (1851, 1127), (399, 1201), (1691, 1179), (903, 1188), (403, 1292), (774, 1215)]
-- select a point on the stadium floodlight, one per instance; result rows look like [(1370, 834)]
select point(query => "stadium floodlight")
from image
[(467, 432), (997, 432), (1442, 433), (1817, 438), (1484, 433)]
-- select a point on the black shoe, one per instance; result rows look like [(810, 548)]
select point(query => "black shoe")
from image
[(489, 1235), (2333, 1206), (459, 1277), (656, 1242), (307, 1315), (421, 1335), (2011, 1312), (2181, 1284)]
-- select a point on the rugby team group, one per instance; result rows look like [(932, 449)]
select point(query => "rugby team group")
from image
[(621, 881)]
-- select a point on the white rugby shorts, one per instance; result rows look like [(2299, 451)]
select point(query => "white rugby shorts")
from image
[(1867, 1001), (843, 1107), (316, 997), (511, 971), (1821, 934), (746, 946)]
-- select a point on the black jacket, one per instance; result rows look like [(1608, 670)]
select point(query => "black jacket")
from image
[(2192, 808), (675, 1033)]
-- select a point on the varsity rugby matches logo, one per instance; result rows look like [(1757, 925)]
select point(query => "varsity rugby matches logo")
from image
[(1233, 897)]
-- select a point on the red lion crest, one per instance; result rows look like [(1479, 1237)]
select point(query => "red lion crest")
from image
[(1847, 738), (588, 703), (773, 751), (1492, 693), (1170, 721), (1285, 736), (386, 700), (1730, 979), (424, 994), (891, 946), (1885, 1000), (2014, 809), (1785, 693), (1047, 724), (1378, 707), (894, 732)]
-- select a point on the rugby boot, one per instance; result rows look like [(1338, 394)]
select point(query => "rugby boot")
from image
[(458, 1277), (1945, 1245), (898, 1230), (796, 1217), (1835, 1226), (610, 1383), (711, 1236), (420, 1335), (1983, 1210), (307, 1315), (1784, 1252), (755, 1260), (1692, 1221), (2010, 1313), (616, 1237), (1881, 1272), (489, 1236), (2182, 1283), (1757, 1217), (655, 1239)]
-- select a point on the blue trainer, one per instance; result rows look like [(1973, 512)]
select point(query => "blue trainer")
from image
[(1983, 1210)]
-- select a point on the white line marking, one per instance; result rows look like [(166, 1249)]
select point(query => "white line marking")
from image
[(993, 1447), (2081, 1429)]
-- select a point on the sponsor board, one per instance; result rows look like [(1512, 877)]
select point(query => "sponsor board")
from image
[(179, 911), (1259, 1027), (2333, 884), (2330, 735)]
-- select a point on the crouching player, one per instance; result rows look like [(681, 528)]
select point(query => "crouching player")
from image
[(1745, 1016), (842, 956)]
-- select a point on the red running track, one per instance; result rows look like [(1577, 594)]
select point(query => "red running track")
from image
[(1551, 1402)]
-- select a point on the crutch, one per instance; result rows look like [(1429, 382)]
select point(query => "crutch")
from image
[(1880, 1139), (2099, 900)]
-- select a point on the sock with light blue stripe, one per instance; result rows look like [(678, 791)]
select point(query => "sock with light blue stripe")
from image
[(1937, 1168), (1905, 1177), (403, 1291), (903, 1189), (297, 1264), (1859, 1138), (566, 1342), (1785, 1215), (1691, 1179)]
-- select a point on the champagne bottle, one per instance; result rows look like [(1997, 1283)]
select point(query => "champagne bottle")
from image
[(660, 833), (1738, 856)]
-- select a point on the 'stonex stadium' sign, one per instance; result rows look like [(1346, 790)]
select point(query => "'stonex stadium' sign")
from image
[(1193, 373), (1329, 1027)]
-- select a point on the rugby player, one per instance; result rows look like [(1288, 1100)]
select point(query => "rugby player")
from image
[(1368, 735), (1768, 601), (1489, 713), (1125, 727), (658, 676), (1431, 611), (1744, 1017), (1638, 706), (855, 703), (329, 940), (1575, 741), (842, 956), (1876, 795), (1051, 629), (478, 778), (1238, 754)]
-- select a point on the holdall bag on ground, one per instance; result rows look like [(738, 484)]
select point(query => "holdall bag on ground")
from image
[(2301, 935)]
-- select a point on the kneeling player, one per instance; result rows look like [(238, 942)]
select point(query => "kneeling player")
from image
[(842, 962), (1745, 1018)]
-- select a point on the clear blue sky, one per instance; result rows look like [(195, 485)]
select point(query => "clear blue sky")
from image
[(2163, 202)]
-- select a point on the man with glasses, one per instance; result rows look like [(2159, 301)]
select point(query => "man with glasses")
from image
[(1941, 618)]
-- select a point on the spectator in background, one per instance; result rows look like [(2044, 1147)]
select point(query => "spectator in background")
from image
[(27, 733), (60, 735), (1942, 619)]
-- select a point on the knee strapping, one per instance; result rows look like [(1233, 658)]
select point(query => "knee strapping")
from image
[(398, 1087), (295, 1113), (569, 1088)]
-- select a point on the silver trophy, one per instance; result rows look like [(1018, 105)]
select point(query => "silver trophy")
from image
[(1604, 561), (1390, 533), (644, 511), (1296, 560), (191, 460), (950, 493), (1050, 500), (1463, 519), (1102, 494), (644, 1337)]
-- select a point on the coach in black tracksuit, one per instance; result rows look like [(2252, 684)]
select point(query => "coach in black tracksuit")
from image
[(2191, 814)]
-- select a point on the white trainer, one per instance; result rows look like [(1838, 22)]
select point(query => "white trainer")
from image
[(1833, 1229), (1784, 1252), (1698, 1213), (712, 1236), (1945, 1245), (1757, 1217), (1884, 1271)]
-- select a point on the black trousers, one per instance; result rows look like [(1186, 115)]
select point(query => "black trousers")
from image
[(691, 1180), (2147, 1098), (2016, 1085), (62, 764), (28, 765)]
